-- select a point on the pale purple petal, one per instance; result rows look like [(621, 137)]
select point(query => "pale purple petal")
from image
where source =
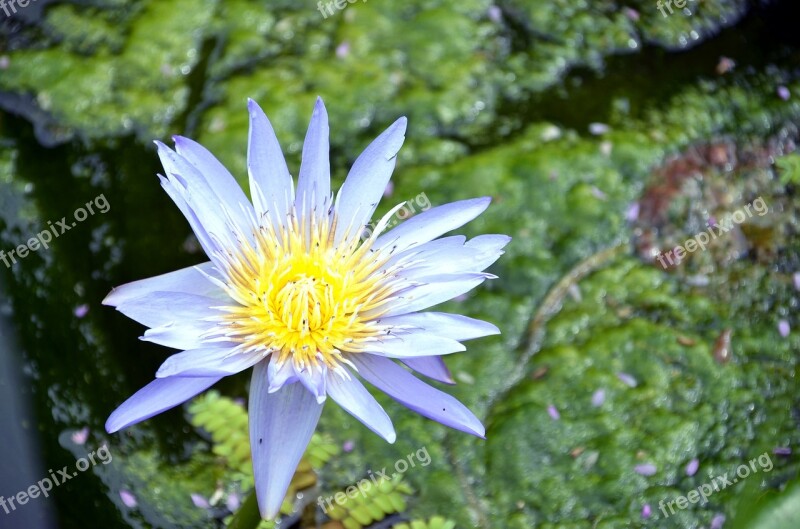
[(437, 290), (646, 469), (281, 425), (453, 326), (189, 280), (156, 397), (796, 280), (208, 207), (183, 335), (280, 373), (783, 328), (718, 521), (348, 446), (367, 180), (271, 184), (314, 378), (225, 187), (314, 182), (207, 362), (782, 451), (692, 466), (81, 311), (415, 394), (432, 223), (646, 511), (430, 366), (552, 411), (172, 188), (784, 93), (413, 345), (351, 395), (162, 308)]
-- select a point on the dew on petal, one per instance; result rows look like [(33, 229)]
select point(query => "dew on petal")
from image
[(79, 437), (646, 469), (627, 379), (128, 499), (691, 468)]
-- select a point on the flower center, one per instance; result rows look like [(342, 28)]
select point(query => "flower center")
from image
[(302, 297)]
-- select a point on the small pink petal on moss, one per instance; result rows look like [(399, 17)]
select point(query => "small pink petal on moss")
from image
[(646, 469), (598, 398), (233, 502), (783, 328), (691, 468), (199, 501), (79, 437), (646, 511), (632, 212), (348, 446), (553, 412), (128, 499), (627, 379)]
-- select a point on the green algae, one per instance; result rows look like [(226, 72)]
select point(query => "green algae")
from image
[(499, 100)]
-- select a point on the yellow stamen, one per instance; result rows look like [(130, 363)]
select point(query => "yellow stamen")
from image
[(303, 298)]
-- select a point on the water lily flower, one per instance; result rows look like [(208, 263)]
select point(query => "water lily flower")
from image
[(292, 290)]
